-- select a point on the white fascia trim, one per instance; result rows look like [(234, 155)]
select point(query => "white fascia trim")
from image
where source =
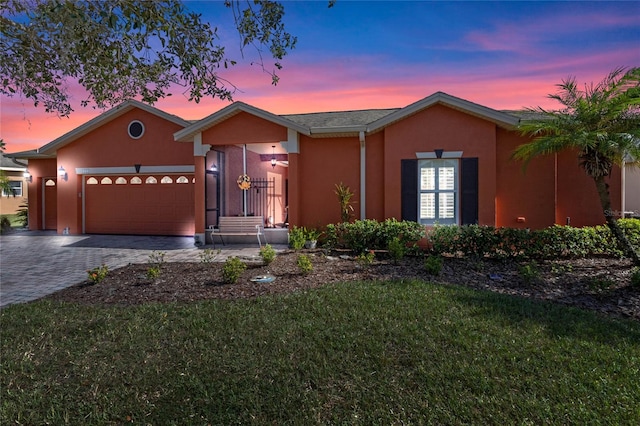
[(131, 170), (14, 169), (432, 155), (292, 144), (26, 155), (200, 149)]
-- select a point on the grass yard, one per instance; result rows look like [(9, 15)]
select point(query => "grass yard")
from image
[(353, 353)]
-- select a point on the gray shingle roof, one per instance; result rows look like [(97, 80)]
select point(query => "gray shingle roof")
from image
[(10, 163), (526, 115), (339, 118)]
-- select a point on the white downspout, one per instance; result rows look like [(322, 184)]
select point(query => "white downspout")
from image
[(363, 177)]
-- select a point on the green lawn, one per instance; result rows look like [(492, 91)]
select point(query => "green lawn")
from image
[(355, 353)]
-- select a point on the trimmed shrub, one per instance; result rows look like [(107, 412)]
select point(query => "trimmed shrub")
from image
[(97, 274), (297, 238), (433, 265), (366, 259), (529, 272), (268, 254), (232, 269), (304, 264), (396, 249)]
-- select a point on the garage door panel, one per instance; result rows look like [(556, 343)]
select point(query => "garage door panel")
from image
[(144, 209)]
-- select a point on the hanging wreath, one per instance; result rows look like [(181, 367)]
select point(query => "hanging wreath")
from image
[(244, 182)]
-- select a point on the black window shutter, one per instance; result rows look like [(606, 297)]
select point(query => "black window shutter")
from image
[(469, 190), (409, 192)]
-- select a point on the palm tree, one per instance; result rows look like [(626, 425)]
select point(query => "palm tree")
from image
[(601, 123)]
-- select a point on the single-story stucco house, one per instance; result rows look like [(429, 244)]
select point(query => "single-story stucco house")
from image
[(138, 170)]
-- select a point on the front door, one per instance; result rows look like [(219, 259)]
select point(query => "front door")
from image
[(50, 207), (212, 198)]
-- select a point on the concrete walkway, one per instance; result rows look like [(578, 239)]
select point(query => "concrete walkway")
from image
[(34, 264)]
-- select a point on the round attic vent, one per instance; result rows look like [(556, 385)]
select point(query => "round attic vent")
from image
[(136, 129)]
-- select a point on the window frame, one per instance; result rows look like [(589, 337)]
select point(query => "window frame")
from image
[(18, 189), (437, 165)]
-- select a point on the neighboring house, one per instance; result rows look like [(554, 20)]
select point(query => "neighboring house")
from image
[(138, 170), (631, 207), (14, 171)]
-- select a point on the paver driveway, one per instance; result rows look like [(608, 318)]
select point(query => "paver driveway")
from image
[(35, 263)]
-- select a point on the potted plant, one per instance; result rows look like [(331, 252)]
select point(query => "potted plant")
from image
[(311, 237)]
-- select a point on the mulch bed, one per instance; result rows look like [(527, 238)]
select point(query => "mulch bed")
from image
[(599, 284)]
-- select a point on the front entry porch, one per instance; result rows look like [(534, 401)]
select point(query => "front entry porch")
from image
[(246, 180)]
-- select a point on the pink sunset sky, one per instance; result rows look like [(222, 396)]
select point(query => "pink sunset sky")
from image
[(360, 55)]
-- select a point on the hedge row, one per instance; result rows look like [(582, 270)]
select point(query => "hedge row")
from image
[(553, 242), (482, 241), (363, 235)]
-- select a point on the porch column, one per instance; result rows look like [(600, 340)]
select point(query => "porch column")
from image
[(292, 145), (199, 158)]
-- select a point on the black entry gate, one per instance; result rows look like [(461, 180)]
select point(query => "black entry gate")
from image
[(261, 198)]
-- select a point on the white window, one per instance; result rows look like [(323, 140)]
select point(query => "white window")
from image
[(16, 187), (438, 195)]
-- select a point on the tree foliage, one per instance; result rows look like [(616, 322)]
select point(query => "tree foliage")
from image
[(601, 122), (124, 49)]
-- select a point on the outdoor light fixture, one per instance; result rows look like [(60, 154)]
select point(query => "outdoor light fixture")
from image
[(273, 156), (62, 173), (27, 176)]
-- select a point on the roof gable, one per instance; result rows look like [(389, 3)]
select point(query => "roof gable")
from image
[(187, 134), (501, 119), (95, 123)]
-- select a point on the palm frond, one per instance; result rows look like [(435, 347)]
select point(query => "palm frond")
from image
[(601, 122)]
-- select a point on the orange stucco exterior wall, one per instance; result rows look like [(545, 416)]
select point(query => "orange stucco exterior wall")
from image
[(244, 128), (525, 197), (582, 207), (440, 127), (374, 146), (40, 170), (322, 164)]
